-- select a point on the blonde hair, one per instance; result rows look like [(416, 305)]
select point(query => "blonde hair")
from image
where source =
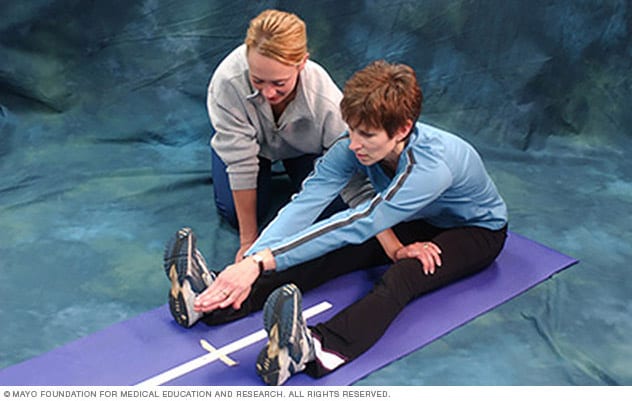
[(382, 95), (279, 35)]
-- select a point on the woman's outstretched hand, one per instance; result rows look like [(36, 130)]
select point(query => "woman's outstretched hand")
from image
[(230, 288)]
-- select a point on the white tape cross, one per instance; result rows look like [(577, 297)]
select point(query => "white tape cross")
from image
[(224, 358)]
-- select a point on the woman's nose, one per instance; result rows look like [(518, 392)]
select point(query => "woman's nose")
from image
[(354, 145), (268, 91)]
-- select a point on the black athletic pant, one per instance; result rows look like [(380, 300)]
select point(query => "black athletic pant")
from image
[(465, 251)]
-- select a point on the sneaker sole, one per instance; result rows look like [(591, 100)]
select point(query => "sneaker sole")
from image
[(269, 368), (287, 301), (176, 255), (280, 303), (176, 264)]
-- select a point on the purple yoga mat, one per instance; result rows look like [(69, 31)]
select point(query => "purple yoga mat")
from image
[(141, 348)]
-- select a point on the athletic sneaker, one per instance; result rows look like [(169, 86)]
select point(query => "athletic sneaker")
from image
[(186, 268), (290, 344)]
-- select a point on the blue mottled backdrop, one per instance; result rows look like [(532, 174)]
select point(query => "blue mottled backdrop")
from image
[(104, 153)]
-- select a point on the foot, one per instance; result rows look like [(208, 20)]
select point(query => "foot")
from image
[(186, 268), (290, 345)]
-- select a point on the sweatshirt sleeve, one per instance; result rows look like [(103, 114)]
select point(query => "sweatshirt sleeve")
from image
[(409, 192), (331, 174), (235, 139)]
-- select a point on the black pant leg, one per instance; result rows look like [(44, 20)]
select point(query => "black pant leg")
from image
[(306, 276), (465, 251)]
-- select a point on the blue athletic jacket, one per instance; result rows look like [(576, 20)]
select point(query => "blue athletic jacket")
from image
[(440, 178)]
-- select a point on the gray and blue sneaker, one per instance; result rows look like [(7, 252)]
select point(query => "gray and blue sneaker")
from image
[(290, 344), (186, 268)]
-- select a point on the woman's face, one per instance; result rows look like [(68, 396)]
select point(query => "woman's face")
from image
[(373, 145), (274, 80)]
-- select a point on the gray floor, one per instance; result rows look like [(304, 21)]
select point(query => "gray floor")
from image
[(104, 153)]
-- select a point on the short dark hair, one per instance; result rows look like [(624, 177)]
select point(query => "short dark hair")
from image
[(382, 95)]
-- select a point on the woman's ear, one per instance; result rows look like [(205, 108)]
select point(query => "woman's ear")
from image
[(402, 132)]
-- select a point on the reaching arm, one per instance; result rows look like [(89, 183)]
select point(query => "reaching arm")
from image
[(411, 190), (235, 142), (246, 209)]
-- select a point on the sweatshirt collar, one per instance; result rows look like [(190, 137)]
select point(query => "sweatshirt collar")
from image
[(297, 109)]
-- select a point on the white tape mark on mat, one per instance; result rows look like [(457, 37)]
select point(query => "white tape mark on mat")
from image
[(243, 342)]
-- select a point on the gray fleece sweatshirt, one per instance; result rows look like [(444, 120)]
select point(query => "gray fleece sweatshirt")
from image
[(245, 126)]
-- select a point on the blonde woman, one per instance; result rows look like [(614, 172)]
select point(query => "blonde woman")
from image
[(268, 102)]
